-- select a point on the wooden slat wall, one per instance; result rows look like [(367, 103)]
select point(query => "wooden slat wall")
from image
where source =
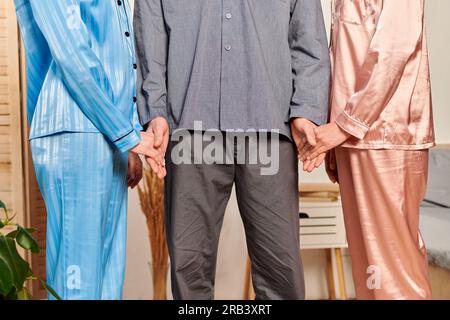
[(35, 207), (11, 142), (18, 186)]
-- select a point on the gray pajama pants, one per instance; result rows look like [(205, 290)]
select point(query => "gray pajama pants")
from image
[(196, 198)]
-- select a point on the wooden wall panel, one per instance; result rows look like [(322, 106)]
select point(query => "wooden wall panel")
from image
[(11, 139), (18, 186)]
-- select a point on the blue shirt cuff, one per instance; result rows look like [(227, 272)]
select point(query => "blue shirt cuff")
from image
[(128, 142)]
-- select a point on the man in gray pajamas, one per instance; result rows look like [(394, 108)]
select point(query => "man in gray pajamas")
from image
[(232, 66)]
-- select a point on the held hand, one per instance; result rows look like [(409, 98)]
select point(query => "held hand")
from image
[(134, 169), (305, 139), (159, 130), (328, 137), (303, 134), (145, 147), (311, 165), (331, 166)]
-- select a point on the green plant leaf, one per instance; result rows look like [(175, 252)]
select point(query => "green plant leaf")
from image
[(26, 240), (12, 295), (50, 289), (13, 234), (2, 205), (6, 279), (24, 294), (14, 267)]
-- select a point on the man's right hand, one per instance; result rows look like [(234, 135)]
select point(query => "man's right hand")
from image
[(159, 130), (153, 145), (303, 133)]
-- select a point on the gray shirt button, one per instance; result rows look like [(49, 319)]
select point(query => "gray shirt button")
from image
[(228, 16), (228, 47)]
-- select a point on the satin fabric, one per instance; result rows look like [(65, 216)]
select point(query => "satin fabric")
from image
[(86, 199), (381, 80), (81, 73), (381, 194)]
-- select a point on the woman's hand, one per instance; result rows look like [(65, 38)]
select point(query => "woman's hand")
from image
[(147, 147), (328, 137), (311, 165), (134, 169)]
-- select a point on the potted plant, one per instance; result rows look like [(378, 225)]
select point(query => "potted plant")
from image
[(14, 270)]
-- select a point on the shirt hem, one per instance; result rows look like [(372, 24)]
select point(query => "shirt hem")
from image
[(381, 146), (50, 133), (283, 132)]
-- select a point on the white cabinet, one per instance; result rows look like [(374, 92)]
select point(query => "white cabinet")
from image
[(322, 225)]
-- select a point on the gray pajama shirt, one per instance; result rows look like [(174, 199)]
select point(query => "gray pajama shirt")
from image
[(233, 64)]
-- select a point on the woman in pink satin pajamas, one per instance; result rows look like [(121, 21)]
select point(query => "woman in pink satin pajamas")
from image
[(382, 125)]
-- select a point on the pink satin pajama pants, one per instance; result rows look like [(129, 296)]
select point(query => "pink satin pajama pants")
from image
[(381, 194)]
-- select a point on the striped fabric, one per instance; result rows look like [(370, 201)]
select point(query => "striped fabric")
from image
[(81, 68), (86, 200)]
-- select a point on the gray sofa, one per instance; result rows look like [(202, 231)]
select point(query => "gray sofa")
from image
[(435, 211)]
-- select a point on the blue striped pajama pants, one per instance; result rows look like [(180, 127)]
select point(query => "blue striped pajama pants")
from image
[(82, 178)]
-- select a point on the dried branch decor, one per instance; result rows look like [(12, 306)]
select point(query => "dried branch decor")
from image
[(151, 196)]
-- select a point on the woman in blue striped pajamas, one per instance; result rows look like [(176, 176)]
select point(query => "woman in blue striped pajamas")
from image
[(81, 107)]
